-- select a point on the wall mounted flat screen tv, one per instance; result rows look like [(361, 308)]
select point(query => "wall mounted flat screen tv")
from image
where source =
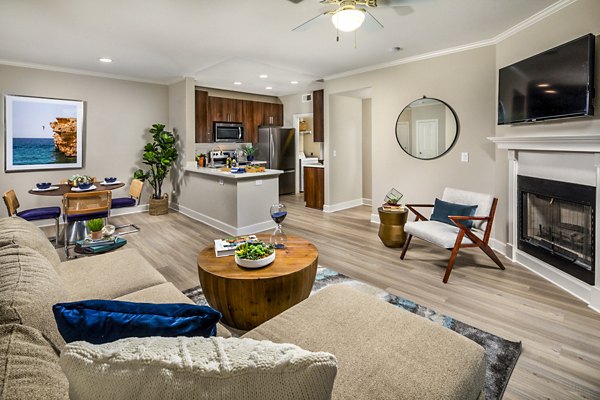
[(558, 83)]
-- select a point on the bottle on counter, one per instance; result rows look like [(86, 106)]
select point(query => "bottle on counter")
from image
[(228, 162)]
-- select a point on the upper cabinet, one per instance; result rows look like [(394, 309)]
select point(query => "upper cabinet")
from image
[(202, 122), (251, 113), (226, 110), (318, 116)]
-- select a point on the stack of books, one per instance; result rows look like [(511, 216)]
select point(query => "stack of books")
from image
[(226, 247), (89, 242), (393, 207)]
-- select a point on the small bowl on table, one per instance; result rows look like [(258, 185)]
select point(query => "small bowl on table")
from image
[(261, 262), (84, 186), (43, 185), (111, 179)]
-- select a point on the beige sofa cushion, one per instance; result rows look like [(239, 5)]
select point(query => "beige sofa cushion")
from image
[(26, 234), (29, 366), (29, 286), (108, 276), (166, 293), (383, 352), (196, 368)]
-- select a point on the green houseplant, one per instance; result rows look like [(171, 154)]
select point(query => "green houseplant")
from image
[(249, 151), (95, 226), (159, 155)]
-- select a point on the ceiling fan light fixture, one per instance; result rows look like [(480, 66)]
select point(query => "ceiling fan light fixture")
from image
[(348, 20)]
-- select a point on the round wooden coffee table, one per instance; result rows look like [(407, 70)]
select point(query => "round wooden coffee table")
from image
[(249, 297)]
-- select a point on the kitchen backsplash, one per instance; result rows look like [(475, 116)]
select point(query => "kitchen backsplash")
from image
[(207, 147)]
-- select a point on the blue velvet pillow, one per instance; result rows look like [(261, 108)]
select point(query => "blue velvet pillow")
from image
[(442, 209), (103, 321)]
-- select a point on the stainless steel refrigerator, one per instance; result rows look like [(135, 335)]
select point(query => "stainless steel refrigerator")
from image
[(277, 147)]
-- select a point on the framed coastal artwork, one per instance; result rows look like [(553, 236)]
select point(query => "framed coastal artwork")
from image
[(42, 133)]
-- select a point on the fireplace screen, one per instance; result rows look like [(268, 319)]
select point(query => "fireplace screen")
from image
[(561, 227), (557, 224)]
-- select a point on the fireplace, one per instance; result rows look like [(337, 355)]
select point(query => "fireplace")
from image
[(556, 224)]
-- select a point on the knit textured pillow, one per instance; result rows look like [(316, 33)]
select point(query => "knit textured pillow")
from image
[(196, 368)]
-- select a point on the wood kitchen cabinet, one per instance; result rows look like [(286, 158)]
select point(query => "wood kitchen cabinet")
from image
[(219, 109), (203, 130), (318, 116), (226, 110), (314, 187)]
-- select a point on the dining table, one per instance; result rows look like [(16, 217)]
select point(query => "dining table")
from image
[(77, 230)]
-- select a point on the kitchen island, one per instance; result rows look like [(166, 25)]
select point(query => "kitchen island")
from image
[(236, 203)]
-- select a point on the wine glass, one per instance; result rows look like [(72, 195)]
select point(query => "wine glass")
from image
[(278, 238)]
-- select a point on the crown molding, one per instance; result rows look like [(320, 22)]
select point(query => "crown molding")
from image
[(84, 72), (559, 5)]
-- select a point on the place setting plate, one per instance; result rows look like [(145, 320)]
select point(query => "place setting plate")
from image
[(45, 190), (103, 183), (76, 189)]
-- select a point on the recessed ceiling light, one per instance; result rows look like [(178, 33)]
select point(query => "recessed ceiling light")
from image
[(237, 83), (294, 82), (105, 60), (543, 85), (550, 91), (269, 87), (263, 76)]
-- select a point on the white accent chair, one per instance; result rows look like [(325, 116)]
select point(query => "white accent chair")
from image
[(454, 237)]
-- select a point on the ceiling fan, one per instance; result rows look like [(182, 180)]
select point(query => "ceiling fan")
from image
[(349, 14)]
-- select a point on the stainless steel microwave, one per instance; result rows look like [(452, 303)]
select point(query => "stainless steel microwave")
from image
[(228, 132)]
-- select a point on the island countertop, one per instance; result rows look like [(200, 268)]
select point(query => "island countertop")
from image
[(222, 174)]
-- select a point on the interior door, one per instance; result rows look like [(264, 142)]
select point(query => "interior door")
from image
[(403, 129), (427, 138)]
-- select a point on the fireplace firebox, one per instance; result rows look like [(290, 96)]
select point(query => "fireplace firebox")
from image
[(556, 224)]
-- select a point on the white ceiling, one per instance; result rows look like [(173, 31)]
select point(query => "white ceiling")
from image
[(219, 42)]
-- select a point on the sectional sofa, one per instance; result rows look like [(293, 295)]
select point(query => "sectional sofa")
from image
[(383, 352)]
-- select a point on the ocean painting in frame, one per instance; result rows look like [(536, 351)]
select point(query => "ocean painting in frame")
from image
[(42, 133)]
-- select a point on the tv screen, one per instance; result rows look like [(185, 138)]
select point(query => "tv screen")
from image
[(558, 83)]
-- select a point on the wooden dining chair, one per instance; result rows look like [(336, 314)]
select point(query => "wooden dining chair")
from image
[(465, 231), (83, 207), (33, 214), (135, 193)]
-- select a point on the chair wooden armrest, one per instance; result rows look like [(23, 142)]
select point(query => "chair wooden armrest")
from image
[(467, 217), (418, 215)]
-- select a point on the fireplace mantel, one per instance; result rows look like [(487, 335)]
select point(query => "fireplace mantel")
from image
[(588, 143), (561, 144)]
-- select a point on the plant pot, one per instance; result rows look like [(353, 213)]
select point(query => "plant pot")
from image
[(159, 206), (96, 235), (250, 158)]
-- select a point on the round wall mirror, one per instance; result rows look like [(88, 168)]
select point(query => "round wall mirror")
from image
[(427, 128)]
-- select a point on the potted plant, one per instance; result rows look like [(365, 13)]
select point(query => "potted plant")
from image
[(200, 158), (159, 155), (95, 226), (249, 151)]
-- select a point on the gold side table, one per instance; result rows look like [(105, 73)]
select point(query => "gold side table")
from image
[(391, 227)]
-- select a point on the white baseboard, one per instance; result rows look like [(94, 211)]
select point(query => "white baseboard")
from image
[(367, 202), (375, 218), (230, 230), (500, 247), (342, 206)]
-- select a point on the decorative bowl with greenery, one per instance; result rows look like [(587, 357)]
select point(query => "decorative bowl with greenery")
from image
[(249, 151), (254, 254), (159, 155), (95, 226), (76, 180)]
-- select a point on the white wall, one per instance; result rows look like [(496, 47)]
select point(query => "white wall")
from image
[(367, 138), (118, 116), (345, 140), (466, 81), (293, 104)]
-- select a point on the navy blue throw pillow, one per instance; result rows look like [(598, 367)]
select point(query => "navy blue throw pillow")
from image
[(103, 321), (442, 209)]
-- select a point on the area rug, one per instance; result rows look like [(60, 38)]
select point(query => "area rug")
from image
[(501, 354)]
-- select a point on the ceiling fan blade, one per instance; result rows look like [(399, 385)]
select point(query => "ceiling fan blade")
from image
[(391, 3), (308, 24), (371, 23), (296, 1)]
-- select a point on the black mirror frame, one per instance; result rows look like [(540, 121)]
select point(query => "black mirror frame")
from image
[(455, 135)]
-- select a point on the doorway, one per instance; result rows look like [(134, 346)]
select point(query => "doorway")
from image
[(427, 138)]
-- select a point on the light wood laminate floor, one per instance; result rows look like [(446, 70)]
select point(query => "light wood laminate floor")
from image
[(560, 334)]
